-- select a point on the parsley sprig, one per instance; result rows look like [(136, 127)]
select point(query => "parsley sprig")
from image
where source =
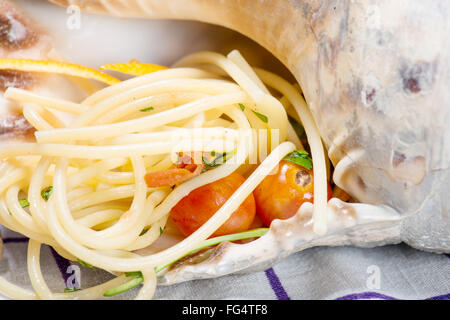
[(85, 264), (138, 278), (147, 109), (217, 161), (24, 203), (46, 193), (261, 116), (300, 157)]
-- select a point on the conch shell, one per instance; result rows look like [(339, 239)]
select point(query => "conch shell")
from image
[(21, 38), (376, 77)]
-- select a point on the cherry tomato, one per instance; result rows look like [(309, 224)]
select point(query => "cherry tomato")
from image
[(199, 205), (280, 195)]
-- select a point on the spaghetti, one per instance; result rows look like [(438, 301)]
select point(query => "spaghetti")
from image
[(84, 182)]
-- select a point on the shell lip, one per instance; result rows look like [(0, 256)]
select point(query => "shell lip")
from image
[(367, 226)]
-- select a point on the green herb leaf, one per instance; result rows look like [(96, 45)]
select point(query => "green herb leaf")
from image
[(207, 163), (124, 287), (220, 159), (70, 290), (300, 157), (255, 233), (24, 203), (85, 264), (242, 106), (161, 230), (138, 279), (144, 232), (134, 274), (261, 117), (147, 109), (46, 193)]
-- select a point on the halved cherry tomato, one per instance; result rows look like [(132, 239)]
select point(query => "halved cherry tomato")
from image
[(280, 195), (191, 212)]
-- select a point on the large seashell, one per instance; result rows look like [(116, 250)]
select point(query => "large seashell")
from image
[(20, 37), (376, 77)]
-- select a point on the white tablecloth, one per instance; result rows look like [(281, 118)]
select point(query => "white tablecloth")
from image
[(391, 272)]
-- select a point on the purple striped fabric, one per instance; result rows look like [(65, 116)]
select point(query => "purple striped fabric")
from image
[(376, 295), (366, 295), (272, 277), (441, 297), (62, 264), (276, 285), (15, 240)]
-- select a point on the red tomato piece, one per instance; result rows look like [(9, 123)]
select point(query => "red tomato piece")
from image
[(191, 212), (280, 195)]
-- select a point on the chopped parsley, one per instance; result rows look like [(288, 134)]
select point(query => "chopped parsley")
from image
[(70, 290), (46, 193), (24, 203), (300, 157), (134, 274), (138, 278), (85, 264), (261, 117), (220, 159), (147, 109), (161, 230)]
